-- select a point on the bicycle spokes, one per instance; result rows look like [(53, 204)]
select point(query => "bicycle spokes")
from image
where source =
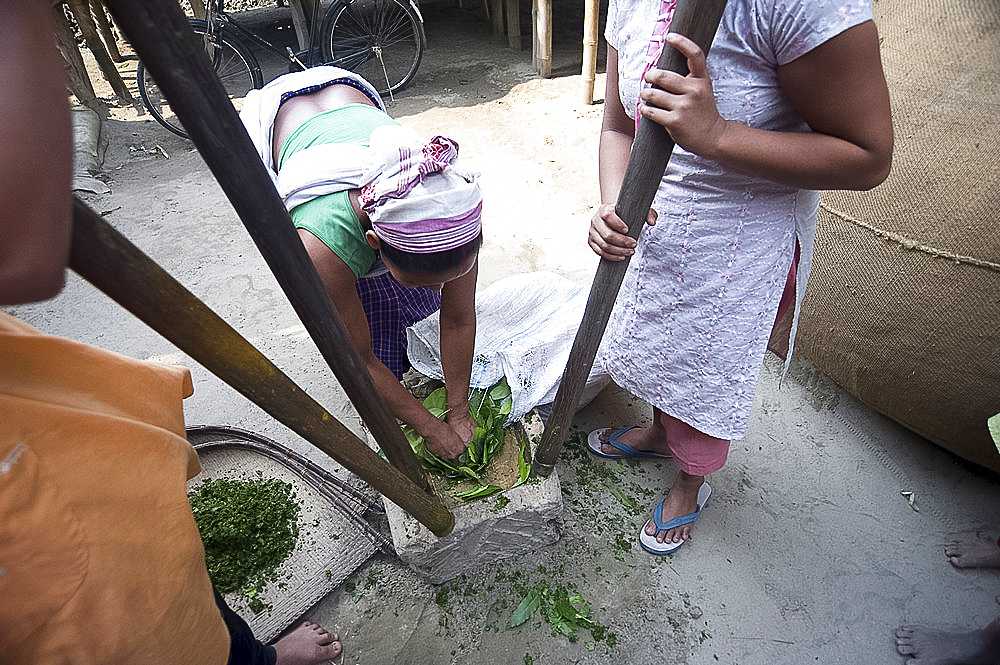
[(379, 39)]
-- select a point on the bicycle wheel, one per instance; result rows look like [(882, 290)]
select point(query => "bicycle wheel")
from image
[(237, 68), (382, 40)]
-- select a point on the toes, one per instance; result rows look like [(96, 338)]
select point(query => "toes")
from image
[(330, 651), (322, 635), (904, 641), (671, 536)]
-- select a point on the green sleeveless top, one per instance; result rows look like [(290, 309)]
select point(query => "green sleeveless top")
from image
[(331, 218)]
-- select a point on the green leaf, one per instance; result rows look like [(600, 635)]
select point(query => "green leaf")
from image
[(437, 401), (564, 607), (529, 605), (500, 392), (479, 492)]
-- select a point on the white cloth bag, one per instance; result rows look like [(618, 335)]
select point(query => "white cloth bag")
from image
[(525, 327)]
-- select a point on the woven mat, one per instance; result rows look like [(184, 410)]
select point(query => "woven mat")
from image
[(330, 547)]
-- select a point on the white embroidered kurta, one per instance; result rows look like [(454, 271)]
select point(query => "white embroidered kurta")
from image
[(691, 324)]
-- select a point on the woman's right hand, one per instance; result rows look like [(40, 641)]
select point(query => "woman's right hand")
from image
[(608, 235)]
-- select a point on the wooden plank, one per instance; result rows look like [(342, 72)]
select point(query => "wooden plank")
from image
[(698, 20)]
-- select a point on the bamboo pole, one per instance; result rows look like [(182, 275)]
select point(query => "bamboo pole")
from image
[(543, 37), (698, 20), (160, 34), (107, 260), (590, 30)]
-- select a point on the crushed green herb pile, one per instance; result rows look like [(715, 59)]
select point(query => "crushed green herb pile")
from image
[(248, 527), (566, 613), (489, 408)]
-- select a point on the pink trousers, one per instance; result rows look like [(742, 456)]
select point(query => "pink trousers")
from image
[(695, 452)]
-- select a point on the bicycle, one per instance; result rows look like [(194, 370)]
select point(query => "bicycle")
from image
[(382, 40)]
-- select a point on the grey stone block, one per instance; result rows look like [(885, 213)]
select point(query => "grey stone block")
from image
[(485, 530)]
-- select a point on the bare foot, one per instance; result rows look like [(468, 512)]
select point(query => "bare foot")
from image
[(926, 646), (970, 552), (682, 500), (652, 439), (309, 644)]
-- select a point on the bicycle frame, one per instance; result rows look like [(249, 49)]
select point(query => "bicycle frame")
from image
[(228, 44), (218, 20)]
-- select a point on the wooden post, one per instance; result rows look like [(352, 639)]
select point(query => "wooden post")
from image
[(302, 20), (496, 14), (81, 11), (110, 262), (590, 33), (106, 30), (161, 36), (76, 71), (514, 24), (698, 20), (198, 8), (543, 37)]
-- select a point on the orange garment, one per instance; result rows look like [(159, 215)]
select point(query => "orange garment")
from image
[(100, 559)]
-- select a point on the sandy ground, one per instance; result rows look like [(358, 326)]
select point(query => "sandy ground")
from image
[(807, 552)]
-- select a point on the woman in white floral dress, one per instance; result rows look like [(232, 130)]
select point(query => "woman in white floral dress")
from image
[(792, 99)]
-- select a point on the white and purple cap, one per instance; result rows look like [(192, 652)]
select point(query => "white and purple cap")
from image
[(419, 198)]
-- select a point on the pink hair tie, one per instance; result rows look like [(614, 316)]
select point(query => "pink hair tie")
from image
[(397, 180)]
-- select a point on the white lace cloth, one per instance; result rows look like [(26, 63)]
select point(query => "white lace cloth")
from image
[(691, 324)]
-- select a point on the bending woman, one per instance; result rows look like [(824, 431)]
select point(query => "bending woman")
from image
[(391, 224)]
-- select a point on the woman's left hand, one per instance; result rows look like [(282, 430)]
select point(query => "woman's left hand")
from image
[(685, 106), (463, 425)]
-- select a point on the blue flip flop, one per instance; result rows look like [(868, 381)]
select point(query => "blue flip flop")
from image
[(594, 444), (651, 544)]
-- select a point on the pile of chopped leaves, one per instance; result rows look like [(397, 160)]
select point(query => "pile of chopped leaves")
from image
[(490, 409), (249, 528)]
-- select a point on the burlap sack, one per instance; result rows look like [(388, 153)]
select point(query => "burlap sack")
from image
[(903, 308)]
